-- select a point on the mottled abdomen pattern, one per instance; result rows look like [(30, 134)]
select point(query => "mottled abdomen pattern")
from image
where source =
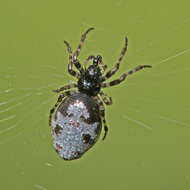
[(76, 126)]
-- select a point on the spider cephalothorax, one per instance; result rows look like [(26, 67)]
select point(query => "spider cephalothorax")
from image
[(90, 80)]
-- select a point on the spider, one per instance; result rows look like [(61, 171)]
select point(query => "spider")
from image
[(77, 122)]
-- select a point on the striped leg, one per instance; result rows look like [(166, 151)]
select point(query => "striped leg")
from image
[(59, 100), (65, 87), (88, 59), (76, 54), (116, 67), (104, 67), (122, 78), (70, 70), (78, 66), (106, 100), (102, 113)]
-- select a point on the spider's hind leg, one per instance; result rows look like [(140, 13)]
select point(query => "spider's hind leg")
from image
[(116, 67), (59, 100), (102, 114)]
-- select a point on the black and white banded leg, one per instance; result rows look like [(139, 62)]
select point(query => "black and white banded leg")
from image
[(59, 100), (70, 69), (102, 114), (116, 67), (123, 77), (107, 100), (83, 37), (87, 60)]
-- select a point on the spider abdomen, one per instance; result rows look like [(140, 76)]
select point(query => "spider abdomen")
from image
[(76, 126)]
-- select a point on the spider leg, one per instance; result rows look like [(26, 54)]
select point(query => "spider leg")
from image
[(59, 100), (122, 78), (88, 59), (116, 67), (83, 37), (78, 66), (65, 87), (107, 100), (70, 70), (102, 113), (104, 67)]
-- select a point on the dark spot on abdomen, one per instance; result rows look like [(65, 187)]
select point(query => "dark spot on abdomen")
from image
[(86, 138), (57, 129)]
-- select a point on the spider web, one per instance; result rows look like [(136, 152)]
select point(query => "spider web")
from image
[(13, 98), (25, 105)]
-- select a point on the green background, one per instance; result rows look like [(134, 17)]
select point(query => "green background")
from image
[(148, 142)]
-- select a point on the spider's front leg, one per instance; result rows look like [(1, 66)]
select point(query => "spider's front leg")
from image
[(116, 67), (76, 54), (87, 60), (70, 69)]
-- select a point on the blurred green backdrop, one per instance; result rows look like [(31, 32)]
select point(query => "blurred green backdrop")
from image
[(148, 142)]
